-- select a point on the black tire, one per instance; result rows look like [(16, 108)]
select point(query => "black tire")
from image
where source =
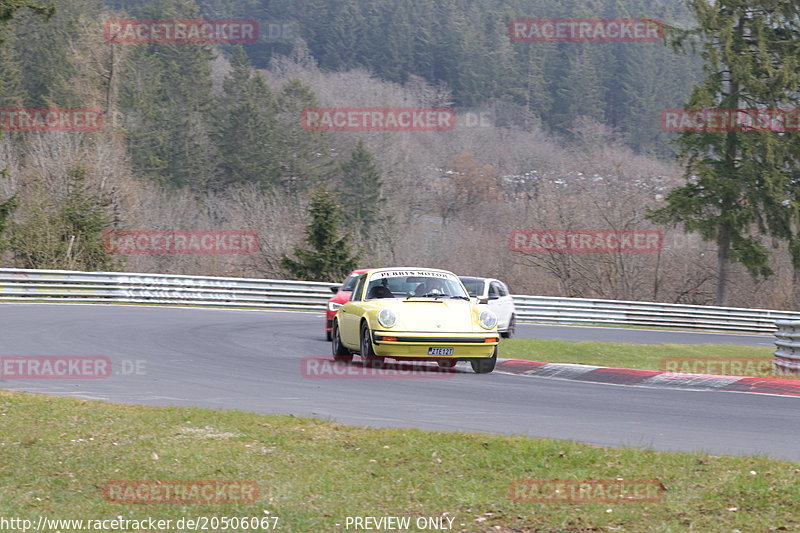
[(446, 364), (484, 365), (512, 327), (340, 353), (367, 351)]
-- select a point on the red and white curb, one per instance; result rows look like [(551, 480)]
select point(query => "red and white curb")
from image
[(650, 378)]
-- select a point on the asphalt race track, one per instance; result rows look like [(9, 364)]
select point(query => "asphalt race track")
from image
[(228, 359)]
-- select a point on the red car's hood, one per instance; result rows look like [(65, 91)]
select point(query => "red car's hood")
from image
[(341, 297)]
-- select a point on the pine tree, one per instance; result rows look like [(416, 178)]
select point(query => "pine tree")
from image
[(361, 191), (305, 157), (330, 257), (738, 182), (247, 132), (7, 208), (581, 92), (67, 236), (344, 45), (166, 89), (8, 75)]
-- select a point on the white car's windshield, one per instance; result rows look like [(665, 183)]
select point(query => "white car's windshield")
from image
[(402, 284)]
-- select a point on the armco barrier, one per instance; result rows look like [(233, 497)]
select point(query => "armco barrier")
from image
[(18, 285), (123, 287), (787, 356)]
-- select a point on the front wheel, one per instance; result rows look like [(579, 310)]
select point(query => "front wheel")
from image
[(340, 353), (484, 365), (367, 351), (512, 326)]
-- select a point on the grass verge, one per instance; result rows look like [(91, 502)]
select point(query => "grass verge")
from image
[(714, 358), (58, 454)]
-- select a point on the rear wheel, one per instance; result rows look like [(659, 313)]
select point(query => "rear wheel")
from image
[(512, 326), (484, 365), (367, 351), (340, 353)]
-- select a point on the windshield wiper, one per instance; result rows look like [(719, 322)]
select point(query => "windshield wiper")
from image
[(467, 298)]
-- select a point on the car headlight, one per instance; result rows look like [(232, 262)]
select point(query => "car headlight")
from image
[(334, 306), (387, 318), (487, 319)]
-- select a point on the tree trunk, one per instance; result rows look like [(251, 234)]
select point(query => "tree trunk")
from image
[(723, 265)]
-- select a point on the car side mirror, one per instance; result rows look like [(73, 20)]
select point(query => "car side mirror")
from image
[(493, 297), (335, 289), (483, 301)]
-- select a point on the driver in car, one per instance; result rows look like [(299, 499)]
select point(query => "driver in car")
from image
[(433, 286)]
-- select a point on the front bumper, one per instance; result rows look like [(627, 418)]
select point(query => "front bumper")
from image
[(414, 344)]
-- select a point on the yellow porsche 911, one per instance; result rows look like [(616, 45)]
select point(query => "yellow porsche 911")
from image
[(415, 314)]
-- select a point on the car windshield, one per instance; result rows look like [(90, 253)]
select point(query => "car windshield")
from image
[(350, 283), (404, 284), (474, 286)]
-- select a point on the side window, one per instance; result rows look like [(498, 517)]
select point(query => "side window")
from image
[(503, 289), (356, 296), (350, 282), (494, 289)]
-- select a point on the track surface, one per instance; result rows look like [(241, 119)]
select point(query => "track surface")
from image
[(251, 361)]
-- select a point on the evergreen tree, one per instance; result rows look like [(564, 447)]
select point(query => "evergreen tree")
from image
[(67, 236), (7, 208), (344, 45), (361, 191), (305, 157), (166, 89), (738, 181), (330, 257), (9, 8), (9, 74), (580, 92), (247, 133)]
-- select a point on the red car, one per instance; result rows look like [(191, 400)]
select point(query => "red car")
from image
[(342, 295)]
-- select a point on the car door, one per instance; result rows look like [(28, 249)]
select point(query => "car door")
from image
[(349, 316), (506, 303), (499, 305)]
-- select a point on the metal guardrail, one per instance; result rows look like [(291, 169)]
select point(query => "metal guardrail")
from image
[(649, 314), (787, 356), (122, 287), (17, 285)]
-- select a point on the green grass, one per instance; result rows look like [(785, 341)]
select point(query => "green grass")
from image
[(623, 355), (57, 454)]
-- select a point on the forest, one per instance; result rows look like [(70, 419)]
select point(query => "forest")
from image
[(199, 136)]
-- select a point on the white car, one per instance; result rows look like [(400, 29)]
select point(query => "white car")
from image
[(497, 295)]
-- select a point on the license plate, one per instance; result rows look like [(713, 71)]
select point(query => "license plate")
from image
[(440, 351)]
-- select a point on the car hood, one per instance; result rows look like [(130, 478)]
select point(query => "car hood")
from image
[(428, 314), (341, 297)]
